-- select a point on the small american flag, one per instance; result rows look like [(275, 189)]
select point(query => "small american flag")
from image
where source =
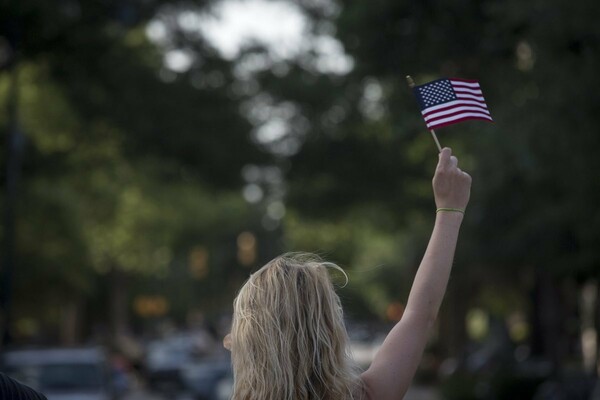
[(448, 101)]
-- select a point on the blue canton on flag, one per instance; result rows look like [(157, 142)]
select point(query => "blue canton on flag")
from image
[(434, 93)]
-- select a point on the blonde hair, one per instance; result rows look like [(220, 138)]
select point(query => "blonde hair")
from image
[(288, 338)]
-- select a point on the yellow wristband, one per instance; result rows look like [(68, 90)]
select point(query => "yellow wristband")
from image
[(460, 210)]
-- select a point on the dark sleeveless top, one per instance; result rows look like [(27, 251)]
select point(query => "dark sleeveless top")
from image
[(13, 390)]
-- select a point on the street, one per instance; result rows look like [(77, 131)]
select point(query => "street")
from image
[(414, 393)]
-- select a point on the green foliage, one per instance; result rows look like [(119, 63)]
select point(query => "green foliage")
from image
[(122, 170), (129, 165), (460, 387)]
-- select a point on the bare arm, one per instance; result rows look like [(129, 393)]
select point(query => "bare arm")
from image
[(396, 362)]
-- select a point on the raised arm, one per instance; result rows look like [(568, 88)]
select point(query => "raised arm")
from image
[(396, 362)]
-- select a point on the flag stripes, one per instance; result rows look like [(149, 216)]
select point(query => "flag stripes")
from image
[(449, 101)]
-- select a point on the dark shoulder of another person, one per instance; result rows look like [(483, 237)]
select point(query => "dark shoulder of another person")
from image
[(11, 389)]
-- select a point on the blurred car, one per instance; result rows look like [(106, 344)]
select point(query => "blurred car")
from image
[(225, 388), (204, 378), (164, 361), (62, 373)]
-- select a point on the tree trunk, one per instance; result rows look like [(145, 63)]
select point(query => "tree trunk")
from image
[(452, 334), (597, 326), (547, 316), (119, 304), (70, 328)]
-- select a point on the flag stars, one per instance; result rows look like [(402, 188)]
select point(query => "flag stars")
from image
[(436, 93)]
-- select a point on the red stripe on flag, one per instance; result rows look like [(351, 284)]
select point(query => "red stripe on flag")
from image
[(470, 97), (435, 126), (467, 90), (464, 80), (468, 82), (462, 112), (451, 113), (428, 113), (455, 116), (454, 103)]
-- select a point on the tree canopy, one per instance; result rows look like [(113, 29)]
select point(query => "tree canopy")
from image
[(131, 165)]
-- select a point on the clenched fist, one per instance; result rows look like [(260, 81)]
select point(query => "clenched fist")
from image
[(451, 186)]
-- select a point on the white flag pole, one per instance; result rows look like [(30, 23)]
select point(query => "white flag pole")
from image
[(411, 84), (436, 140)]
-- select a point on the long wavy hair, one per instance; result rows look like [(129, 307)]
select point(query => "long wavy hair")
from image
[(288, 338)]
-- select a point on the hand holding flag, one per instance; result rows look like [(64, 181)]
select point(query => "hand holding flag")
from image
[(451, 185)]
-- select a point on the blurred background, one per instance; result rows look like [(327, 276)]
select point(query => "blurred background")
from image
[(155, 153)]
